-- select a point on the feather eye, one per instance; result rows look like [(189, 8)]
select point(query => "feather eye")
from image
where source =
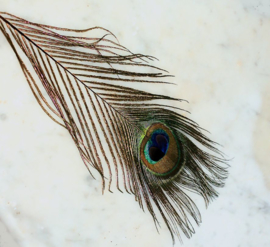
[(88, 86), (160, 151)]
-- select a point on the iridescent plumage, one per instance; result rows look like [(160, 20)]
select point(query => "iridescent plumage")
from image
[(88, 86)]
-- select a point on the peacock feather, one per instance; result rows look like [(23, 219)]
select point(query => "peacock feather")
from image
[(133, 138)]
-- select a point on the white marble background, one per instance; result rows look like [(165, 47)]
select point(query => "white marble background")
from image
[(219, 52)]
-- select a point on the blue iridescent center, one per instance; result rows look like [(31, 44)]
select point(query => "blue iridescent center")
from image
[(157, 146)]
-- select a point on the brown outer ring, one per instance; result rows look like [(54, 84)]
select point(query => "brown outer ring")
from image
[(168, 162)]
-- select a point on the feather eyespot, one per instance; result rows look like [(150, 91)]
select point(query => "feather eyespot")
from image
[(160, 151)]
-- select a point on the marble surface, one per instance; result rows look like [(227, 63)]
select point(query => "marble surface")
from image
[(219, 52)]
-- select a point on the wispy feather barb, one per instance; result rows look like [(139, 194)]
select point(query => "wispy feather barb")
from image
[(87, 85)]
